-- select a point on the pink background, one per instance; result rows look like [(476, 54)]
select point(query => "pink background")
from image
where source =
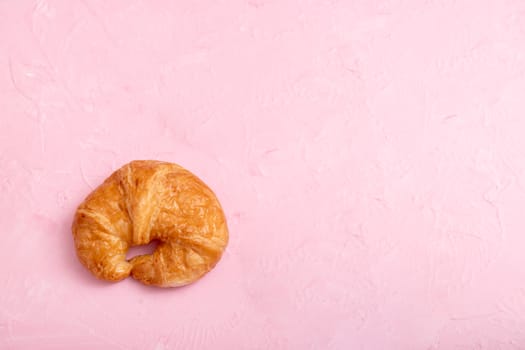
[(370, 157)]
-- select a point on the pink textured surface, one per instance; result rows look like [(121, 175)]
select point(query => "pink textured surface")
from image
[(370, 157)]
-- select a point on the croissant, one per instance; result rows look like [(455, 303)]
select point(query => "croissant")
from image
[(145, 201)]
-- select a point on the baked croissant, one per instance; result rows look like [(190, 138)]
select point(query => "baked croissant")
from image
[(144, 201)]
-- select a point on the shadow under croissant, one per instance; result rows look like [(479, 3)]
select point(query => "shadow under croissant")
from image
[(89, 278)]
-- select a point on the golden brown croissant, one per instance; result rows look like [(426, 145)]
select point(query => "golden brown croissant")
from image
[(145, 201)]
